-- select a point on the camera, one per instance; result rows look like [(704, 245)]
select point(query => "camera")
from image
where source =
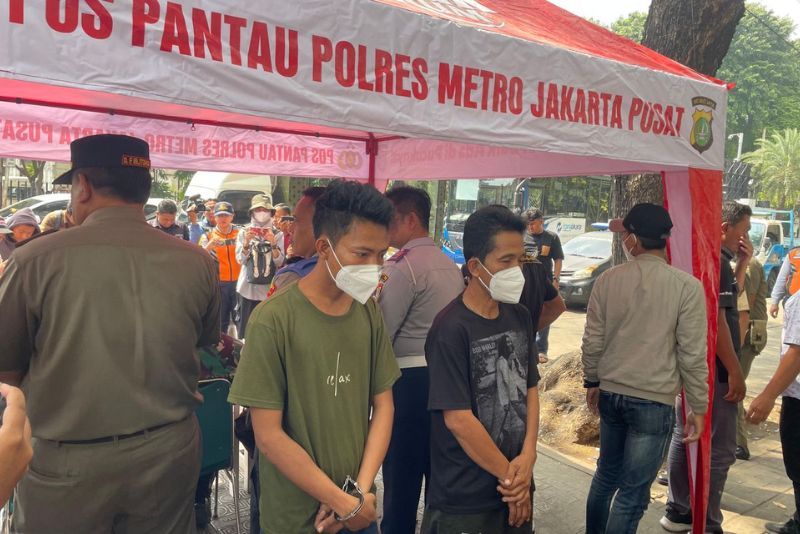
[(195, 203)]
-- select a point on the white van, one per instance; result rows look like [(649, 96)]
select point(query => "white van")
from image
[(238, 189)]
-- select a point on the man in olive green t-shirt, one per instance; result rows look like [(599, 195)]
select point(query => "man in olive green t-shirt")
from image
[(316, 362)]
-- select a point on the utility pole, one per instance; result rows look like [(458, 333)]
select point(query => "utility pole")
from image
[(740, 135)]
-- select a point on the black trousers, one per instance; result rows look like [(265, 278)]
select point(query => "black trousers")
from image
[(227, 292), (790, 441), (246, 307), (408, 459)]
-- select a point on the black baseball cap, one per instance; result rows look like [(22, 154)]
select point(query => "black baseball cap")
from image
[(223, 208), (106, 150), (646, 220)]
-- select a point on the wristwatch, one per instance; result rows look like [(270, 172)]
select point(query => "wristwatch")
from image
[(351, 487)]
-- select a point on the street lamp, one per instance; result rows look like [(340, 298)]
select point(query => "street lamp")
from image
[(740, 135)]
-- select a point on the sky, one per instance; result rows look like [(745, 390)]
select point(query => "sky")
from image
[(607, 11)]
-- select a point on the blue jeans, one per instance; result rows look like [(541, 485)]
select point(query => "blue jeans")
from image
[(543, 340), (227, 292), (634, 434)]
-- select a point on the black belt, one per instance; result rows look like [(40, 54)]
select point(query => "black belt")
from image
[(109, 439)]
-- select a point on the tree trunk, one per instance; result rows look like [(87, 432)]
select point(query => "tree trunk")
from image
[(34, 171), (280, 192), (697, 34), (441, 210)]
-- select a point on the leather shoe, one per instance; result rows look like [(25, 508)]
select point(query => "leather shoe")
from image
[(792, 526)]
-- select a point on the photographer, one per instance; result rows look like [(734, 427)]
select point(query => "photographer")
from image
[(200, 225), (258, 252)]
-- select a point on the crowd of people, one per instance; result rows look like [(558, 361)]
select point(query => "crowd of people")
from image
[(349, 364)]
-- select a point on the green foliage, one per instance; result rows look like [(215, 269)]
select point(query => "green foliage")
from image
[(161, 187), (631, 26), (776, 164), (183, 179), (170, 185), (766, 69)]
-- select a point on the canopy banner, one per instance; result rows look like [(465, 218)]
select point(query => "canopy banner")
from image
[(36, 132), (421, 159), (368, 66)]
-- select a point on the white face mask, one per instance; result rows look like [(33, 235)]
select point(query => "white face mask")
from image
[(506, 285), (358, 281), (628, 254), (262, 217)]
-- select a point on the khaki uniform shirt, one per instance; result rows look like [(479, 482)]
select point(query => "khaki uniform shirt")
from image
[(416, 284), (104, 319)]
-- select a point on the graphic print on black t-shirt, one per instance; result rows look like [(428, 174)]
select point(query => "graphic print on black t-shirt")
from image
[(545, 247), (499, 368)]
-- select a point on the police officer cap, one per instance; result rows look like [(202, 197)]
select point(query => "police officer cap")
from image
[(645, 220), (223, 208), (106, 150)]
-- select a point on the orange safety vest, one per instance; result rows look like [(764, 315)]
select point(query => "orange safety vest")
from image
[(793, 282), (226, 254)]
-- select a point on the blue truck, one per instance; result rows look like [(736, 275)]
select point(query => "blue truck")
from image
[(773, 235)]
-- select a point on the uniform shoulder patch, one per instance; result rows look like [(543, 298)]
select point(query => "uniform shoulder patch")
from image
[(399, 255)]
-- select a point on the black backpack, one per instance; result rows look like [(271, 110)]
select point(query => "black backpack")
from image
[(260, 265)]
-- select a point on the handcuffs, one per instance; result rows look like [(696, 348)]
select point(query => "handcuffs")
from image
[(351, 487)]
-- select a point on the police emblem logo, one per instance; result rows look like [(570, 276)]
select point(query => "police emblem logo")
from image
[(702, 135)]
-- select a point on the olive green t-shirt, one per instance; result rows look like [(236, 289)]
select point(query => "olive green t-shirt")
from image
[(322, 372)]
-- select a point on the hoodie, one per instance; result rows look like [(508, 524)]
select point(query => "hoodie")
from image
[(24, 216), (7, 242)]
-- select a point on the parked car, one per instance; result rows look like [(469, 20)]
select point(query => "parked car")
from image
[(772, 233), (586, 257), (41, 205)]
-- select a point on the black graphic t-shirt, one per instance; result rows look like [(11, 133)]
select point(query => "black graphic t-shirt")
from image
[(545, 247), (728, 295), (538, 288), (483, 365)]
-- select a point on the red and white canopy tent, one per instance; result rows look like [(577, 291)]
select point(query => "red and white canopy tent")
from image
[(372, 90)]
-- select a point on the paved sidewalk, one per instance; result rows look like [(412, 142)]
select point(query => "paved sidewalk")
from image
[(757, 491)]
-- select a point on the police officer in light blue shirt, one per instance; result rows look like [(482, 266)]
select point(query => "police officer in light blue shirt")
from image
[(416, 284)]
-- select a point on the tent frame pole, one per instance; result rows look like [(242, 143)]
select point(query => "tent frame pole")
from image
[(372, 152)]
